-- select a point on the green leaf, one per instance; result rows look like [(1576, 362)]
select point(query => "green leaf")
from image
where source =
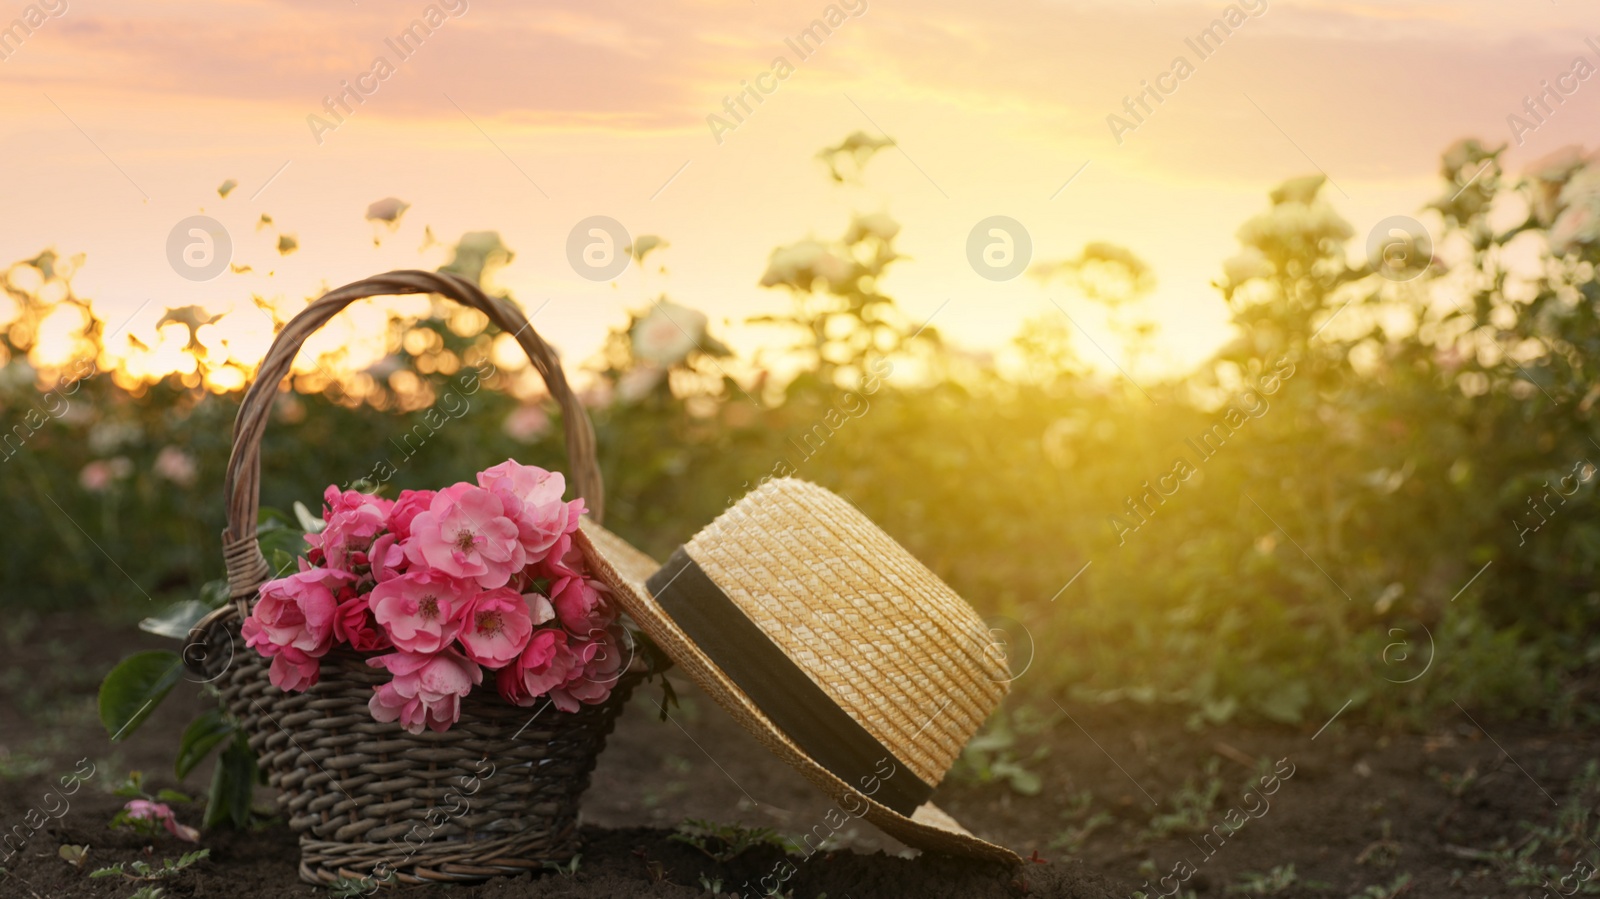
[(133, 689), (176, 620), (173, 796), (199, 738), (187, 859), (280, 540), (1022, 780), (1219, 711), (281, 563), (1287, 703), (215, 593), (132, 787), (992, 741), (232, 785)]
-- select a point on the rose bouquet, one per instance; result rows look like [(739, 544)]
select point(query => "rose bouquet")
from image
[(440, 588)]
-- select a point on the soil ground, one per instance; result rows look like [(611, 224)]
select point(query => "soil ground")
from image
[(1126, 795)]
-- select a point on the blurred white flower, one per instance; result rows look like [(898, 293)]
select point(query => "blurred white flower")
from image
[(99, 475), (1557, 166), (1248, 263), (799, 265), (176, 466), (637, 383), (1578, 225), (876, 224), (477, 253), (527, 423), (1547, 175), (109, 436), (1291, 225), (668, 333), (598, 395)]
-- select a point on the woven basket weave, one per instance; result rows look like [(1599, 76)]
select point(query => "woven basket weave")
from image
[(498, 792)]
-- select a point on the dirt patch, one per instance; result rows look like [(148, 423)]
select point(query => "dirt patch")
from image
[(637, 861), (1126, 796)]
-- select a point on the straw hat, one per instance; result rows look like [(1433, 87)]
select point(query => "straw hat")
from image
[(827, 640)]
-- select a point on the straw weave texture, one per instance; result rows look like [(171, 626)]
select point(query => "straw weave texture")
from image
[(872, 626)]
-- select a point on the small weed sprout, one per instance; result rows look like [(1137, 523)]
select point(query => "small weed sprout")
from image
[(144, 871), (725, 842)]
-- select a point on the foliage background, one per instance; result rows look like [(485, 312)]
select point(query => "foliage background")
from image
[(1371, 517)]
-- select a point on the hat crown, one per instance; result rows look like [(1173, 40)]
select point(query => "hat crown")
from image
[(872, 627)]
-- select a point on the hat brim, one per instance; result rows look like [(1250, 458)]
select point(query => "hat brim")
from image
[(626, 569)]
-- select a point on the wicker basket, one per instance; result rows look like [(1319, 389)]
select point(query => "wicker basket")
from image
[(498, 792)]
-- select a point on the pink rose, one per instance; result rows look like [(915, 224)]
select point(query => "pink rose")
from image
[(356, 625), (342, 502), (410, 504), (159, 813), (597, 665), (495, 626), (539, 608), (565, 560), (580, 606), (467, 533), (292, 671), (295, 612), (532, 497), (543, 665), (421, 609), (426, 690), (387, 557), (528, 483), (353, 519)]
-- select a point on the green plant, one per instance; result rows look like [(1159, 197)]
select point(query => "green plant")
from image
[(1382, 852), (1573, 834), (1073, 838), (1411, 446), (1189, 806), (725, 842), (568, 870), (144, 871), (1083, 824), (1280, 878), (992, 757), (1385, 891), (133, 689)]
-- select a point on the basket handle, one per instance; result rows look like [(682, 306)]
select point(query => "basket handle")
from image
[(247, 567)]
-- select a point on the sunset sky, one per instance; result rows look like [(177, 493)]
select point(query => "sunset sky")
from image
[(122, 119)]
